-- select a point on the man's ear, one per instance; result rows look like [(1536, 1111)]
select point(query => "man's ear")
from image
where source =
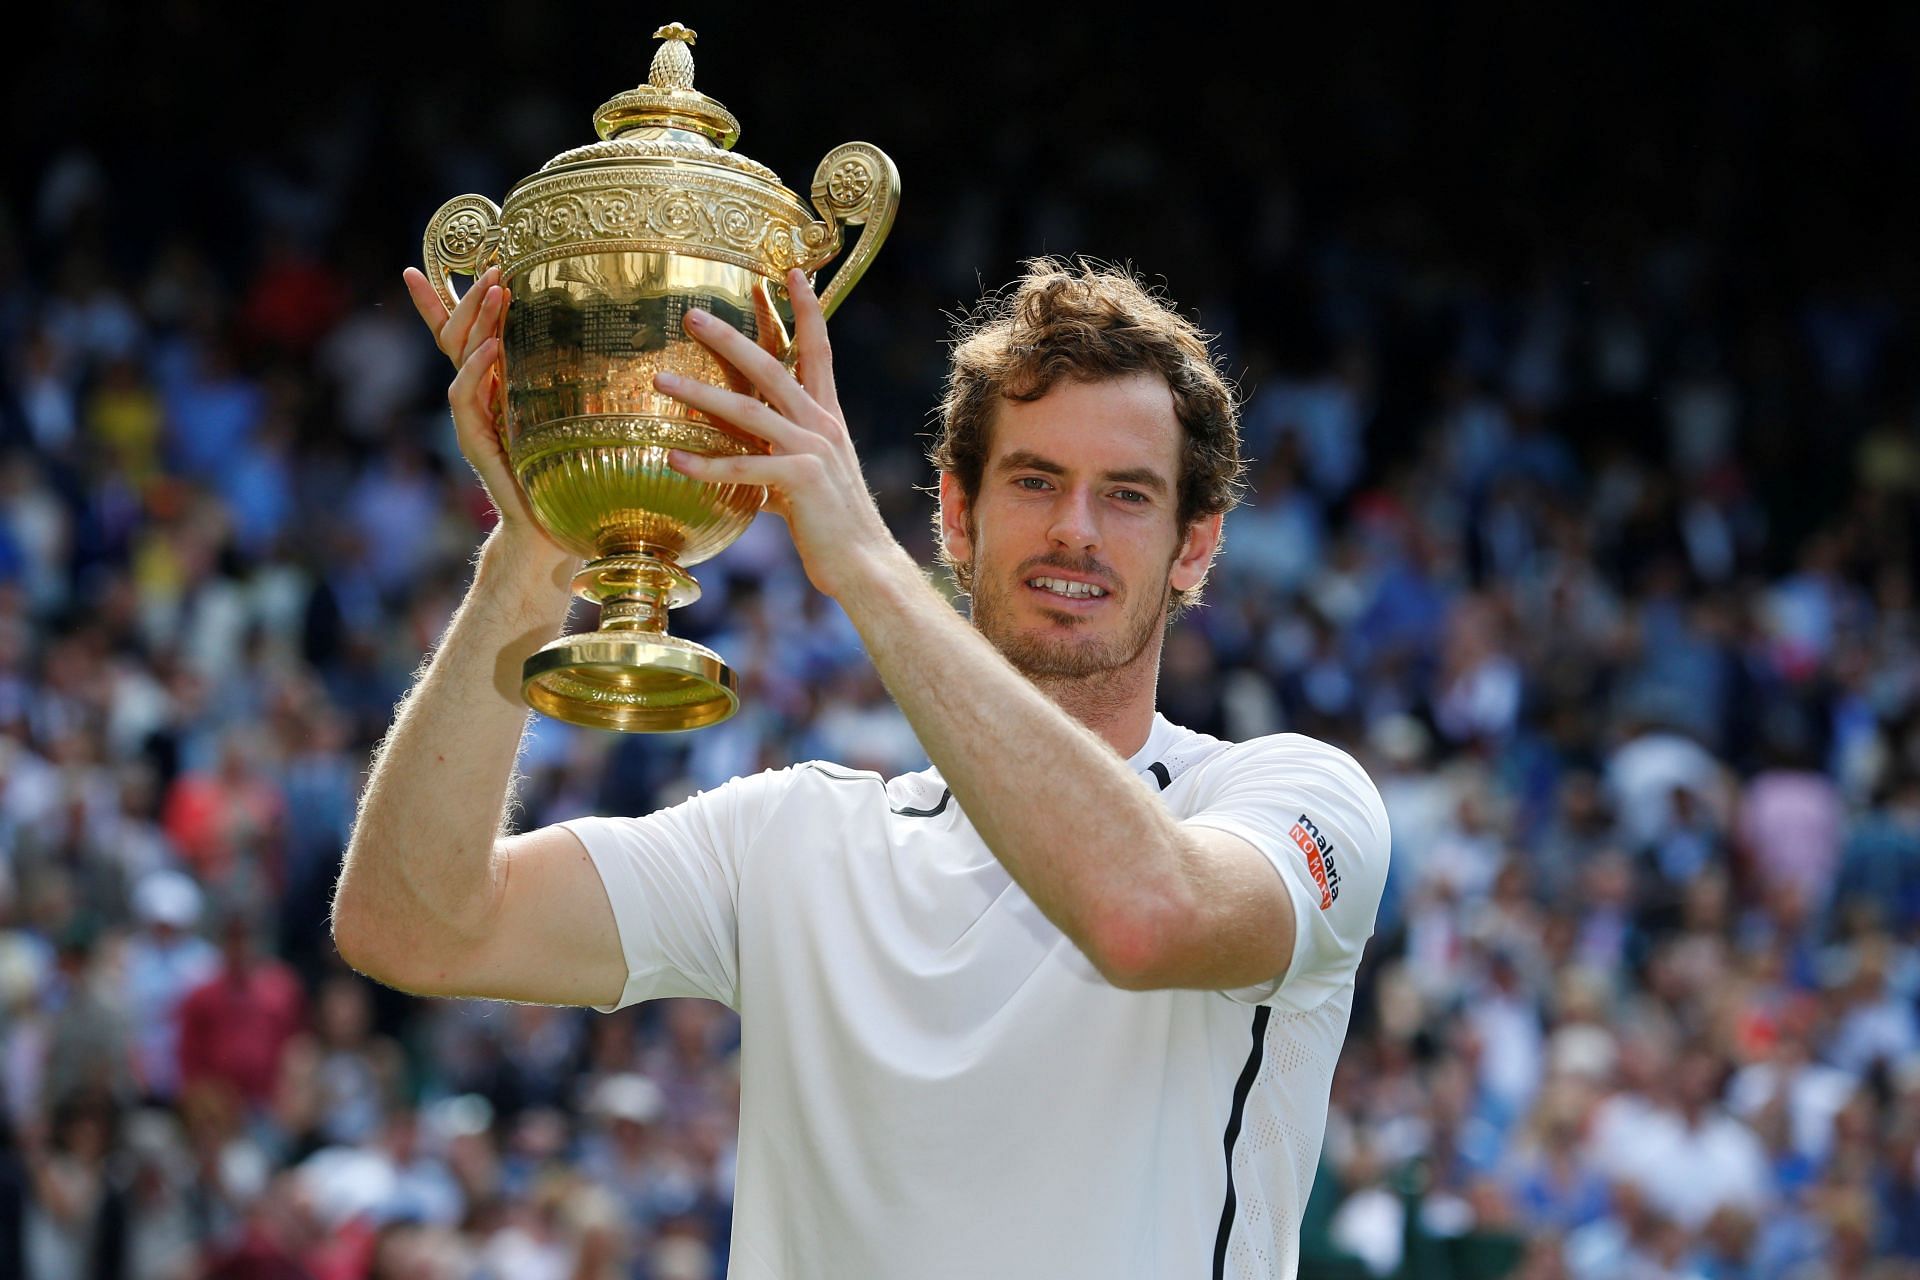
[(955, 513), (1195, 557)]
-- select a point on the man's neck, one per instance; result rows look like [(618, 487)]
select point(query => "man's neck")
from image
[(1116, 705)]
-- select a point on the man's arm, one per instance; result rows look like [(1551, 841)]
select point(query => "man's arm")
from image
[(1150, 902), (431, 899)]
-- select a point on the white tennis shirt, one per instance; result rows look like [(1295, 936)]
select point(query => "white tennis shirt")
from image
[(937, 1085)]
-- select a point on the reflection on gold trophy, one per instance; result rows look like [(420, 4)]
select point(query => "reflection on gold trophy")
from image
[(605, 250)]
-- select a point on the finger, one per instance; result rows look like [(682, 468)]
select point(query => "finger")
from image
[(775, 471), (766, 373), (734, 409), (469, 387), (425, 300), (487, 324), (810, 340), (453, 334), (460, 323)]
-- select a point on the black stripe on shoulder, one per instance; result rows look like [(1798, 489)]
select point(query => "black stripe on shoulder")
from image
[(1240, 1091), (1160, 774), (934, 812), (836, 775)]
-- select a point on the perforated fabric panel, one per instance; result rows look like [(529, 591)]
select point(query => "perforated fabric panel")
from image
[(1187, 754), (1279, 1145)]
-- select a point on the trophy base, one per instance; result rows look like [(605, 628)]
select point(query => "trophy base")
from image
[(635, 682)]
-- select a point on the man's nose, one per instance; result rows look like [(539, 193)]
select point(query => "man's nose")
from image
[(1073, 522)]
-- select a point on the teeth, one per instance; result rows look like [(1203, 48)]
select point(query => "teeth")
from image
[(1061, 587)]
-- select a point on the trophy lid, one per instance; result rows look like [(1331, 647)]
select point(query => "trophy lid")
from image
[(668, 99)]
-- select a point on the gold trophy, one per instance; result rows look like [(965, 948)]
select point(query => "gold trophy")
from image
[(605, 250)]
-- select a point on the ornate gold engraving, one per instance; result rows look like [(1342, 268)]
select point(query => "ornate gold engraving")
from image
[(459, 236), (564, 434), (855, 184), (676, 210), (667, 149)]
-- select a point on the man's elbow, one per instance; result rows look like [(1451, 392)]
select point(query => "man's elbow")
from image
[(384, 929), (358, 945), (1134, 947), (372, 949), (1169, 941), (407, 968)]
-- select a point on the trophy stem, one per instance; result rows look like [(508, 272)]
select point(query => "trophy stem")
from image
[(634, 589), (628, 673), (643, 612)]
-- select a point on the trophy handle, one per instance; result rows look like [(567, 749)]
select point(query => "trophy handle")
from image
[(855, 184), (460, 237)]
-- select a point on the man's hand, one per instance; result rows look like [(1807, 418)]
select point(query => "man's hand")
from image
[(469, 336), (812, 476)]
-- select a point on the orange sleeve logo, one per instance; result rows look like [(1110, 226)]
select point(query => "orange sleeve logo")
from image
[(1316, 865)]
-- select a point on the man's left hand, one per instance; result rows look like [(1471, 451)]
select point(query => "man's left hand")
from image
[(812, 475)]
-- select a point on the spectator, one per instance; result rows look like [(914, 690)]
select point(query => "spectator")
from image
[(222, 820), (163, 963), (236, 1026), (1690, 1157)]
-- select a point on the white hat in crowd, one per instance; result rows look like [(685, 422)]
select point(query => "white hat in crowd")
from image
[(167, 897), (628, 1097)]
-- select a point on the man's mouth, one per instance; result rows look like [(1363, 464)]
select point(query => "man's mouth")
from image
[(1067, 589)]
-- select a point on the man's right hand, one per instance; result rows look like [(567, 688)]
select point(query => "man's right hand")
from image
[(469, 336)]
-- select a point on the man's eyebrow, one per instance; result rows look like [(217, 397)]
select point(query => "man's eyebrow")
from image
[(1143, 477), (1027, 460)]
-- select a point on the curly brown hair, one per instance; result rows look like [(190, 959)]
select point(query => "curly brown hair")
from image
[(1087, 321)]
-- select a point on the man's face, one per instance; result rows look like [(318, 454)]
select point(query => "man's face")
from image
[(1074, 538)]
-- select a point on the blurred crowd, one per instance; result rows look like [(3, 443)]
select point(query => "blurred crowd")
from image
[(1596, 545)]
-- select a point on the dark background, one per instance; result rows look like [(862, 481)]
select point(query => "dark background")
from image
[(1497, 147)]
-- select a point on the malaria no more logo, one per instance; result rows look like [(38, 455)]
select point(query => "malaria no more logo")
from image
[(1320, 860)]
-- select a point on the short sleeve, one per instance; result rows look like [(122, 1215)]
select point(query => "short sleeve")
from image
[(1317, 817), (673, 879)]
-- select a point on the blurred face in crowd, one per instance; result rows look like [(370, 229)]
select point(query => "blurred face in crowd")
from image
[(1697, 1082), (87, 1133), (345, 1014), (236, 943), (1074, 537)]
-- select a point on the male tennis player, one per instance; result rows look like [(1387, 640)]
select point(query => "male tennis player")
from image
[(1066, 1004)]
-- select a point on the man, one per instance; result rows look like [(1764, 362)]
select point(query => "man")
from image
[(1065, 1004), (235, 1027), (165, 962)]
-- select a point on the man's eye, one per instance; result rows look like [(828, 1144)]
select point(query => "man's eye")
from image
[(1129, 495), (1034, 483)]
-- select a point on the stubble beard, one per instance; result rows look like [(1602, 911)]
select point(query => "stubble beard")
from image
[(1051, 660)]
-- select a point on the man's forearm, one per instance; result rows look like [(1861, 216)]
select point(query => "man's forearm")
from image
[(1054, 803), (420, 864)]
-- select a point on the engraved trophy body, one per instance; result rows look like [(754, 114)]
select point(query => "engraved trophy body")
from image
[(605, 250)]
